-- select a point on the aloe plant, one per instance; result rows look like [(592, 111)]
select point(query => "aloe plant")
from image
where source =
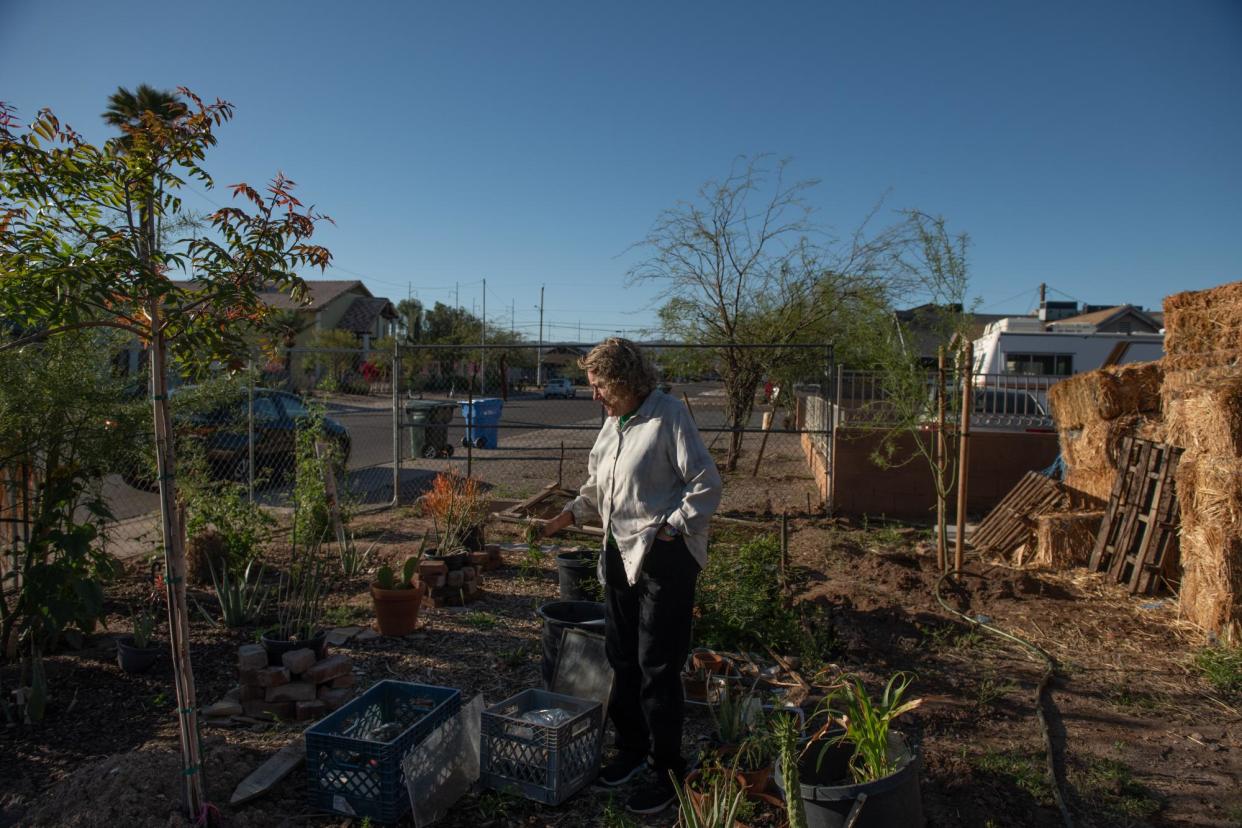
[(720, 801), (241, 599)]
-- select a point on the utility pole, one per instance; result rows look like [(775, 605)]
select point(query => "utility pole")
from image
[(457, 295), (512, 326), (539, 350), (483, 343), (579, 330)]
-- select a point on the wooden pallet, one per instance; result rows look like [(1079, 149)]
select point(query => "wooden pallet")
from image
[(1138, 540), (1012, 522), (546, 504)]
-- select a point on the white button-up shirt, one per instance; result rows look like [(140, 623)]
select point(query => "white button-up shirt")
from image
[(654, 471)]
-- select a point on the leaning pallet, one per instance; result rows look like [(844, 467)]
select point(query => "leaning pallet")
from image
[(1138, 540), (1012, 523)]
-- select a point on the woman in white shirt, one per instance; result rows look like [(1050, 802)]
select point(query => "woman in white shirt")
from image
[(654, 485)]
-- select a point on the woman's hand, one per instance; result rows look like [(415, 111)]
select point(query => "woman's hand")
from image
[(556, 524)]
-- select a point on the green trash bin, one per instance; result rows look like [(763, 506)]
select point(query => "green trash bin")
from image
[(428, 423)]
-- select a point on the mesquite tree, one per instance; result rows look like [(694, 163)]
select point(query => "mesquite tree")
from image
[(744, 264), (84, 243)]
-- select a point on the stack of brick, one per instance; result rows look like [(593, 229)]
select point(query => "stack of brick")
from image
[(303, 687), (453, 587)]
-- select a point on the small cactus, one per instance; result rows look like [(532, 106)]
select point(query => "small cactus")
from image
[(384, 578), (409, 571)]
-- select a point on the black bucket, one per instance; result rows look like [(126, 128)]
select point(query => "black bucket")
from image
[(893, 800), (559, 616), (576, 570)]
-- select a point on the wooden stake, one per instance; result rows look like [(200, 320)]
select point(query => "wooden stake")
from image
[(173, 531), (689, 408), (963, 460), (329, 488), (767, 429), (784, 549), (942, 517), (560, 466)]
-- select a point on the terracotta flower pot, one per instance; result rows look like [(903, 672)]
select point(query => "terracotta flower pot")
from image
[(755, 782), (710, 661), (396, 610)]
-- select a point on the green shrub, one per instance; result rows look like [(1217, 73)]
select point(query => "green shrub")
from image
[(1222, 667), (741, 605)]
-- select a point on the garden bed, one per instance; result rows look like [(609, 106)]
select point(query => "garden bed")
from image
[(1147, 739)]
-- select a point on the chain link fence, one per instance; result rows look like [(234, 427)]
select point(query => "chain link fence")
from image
[(518, 418)]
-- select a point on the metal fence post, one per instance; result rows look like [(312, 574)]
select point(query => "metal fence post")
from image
[(396, 424)]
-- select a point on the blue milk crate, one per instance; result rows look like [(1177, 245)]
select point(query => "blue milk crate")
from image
[(543, 762), (482, 417), (353, 756)]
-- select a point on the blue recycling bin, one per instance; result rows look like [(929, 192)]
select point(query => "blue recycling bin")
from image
[(482, 417)]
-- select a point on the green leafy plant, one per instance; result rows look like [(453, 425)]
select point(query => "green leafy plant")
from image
[(242, 599), (735, 714), (312, 514), (143, 621), (1222, 667), (864, 724), (712, 800), (355, 562), (300, 594), (740, 604)]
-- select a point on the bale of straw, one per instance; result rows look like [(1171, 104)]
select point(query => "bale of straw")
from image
[(1210, 494), (1091, 453), (1065, 539), (1131, 389), (1203, 327), (1203, 414), (1106, 394)]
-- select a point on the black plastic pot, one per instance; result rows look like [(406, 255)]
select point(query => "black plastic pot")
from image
[(576, 570), (133, 659), (277, 647), (830, 799), (559, 616)]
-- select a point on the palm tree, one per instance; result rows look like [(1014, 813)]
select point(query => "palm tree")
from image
[(125, 108)]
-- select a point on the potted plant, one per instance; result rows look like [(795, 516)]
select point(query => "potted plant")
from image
[(136, 653), (711, 797), (457, 507), (754, 758), (856, 769), (397, 602), (299, 602)]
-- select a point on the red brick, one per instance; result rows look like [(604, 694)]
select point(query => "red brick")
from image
[(273, 676), (347, 680), (294, 691), (334, 697), (329, 668)]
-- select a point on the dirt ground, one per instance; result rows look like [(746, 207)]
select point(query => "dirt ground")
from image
[(1141, 736)]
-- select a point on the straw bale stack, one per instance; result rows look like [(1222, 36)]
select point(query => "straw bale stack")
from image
[(1065, 539), (1210, 495), (1095, 411), (1202, 401), (1203, 328)]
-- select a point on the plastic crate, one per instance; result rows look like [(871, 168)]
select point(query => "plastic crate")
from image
[(354, 756), (543, 762)]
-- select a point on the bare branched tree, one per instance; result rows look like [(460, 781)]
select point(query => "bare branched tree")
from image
[(745, 264)]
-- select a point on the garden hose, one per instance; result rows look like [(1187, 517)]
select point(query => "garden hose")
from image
[(1041, 689)]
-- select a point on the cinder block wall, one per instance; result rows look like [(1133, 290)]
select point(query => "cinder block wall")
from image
[(997, 462)]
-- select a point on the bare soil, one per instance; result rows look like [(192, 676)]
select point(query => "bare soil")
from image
[(1141, 736)]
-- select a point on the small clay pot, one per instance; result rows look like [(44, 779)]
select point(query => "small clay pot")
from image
[(396, 610), (711, 661)]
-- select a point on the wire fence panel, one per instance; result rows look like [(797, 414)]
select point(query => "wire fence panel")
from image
[(517, 418)]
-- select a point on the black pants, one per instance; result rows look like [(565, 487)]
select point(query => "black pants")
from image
[(647, 639)]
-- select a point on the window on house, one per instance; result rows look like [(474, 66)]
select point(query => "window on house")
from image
[(1042, 365)]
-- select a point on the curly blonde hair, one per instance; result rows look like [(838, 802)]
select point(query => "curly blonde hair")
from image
[(617, 361)]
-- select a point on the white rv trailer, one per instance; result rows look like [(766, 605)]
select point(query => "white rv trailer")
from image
[(1021, 345)]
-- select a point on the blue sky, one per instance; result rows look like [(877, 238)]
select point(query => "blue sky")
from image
[(1094, 146)]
